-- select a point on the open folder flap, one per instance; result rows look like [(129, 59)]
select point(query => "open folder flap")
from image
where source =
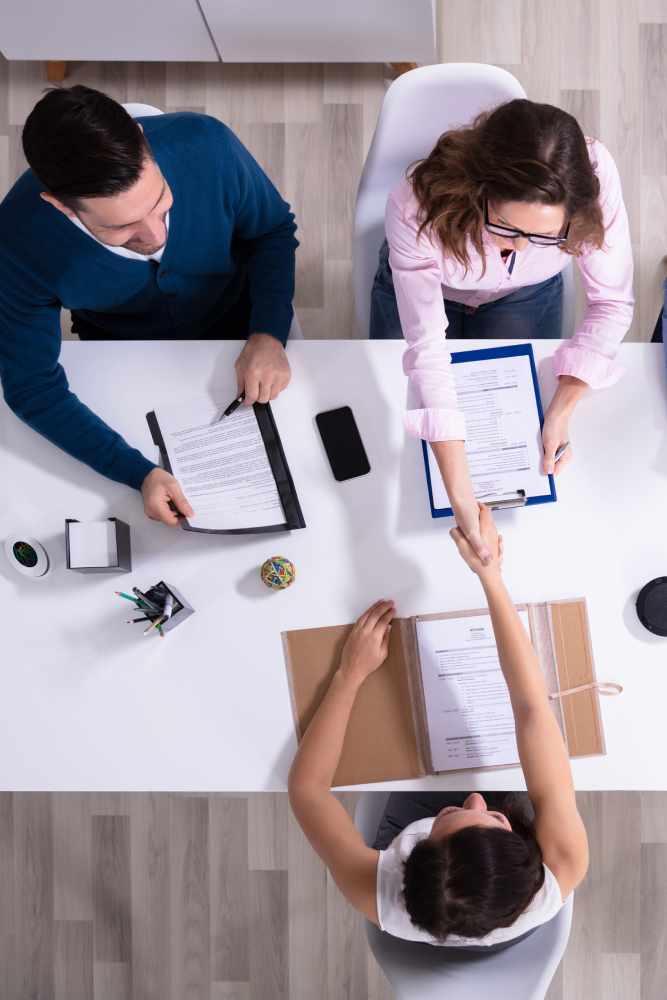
[(468, 720), (380, 742), (561, 636)]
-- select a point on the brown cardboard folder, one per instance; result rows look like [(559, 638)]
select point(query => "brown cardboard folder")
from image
[(387, 737)]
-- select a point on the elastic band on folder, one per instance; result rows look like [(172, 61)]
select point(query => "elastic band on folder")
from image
[(603, 687)]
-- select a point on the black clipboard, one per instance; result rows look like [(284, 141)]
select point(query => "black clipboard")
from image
[(279, 467)]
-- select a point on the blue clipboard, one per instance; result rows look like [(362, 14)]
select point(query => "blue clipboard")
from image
[(514, 350)]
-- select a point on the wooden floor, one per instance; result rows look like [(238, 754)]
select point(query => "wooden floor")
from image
[(184, 897), (173, 897)]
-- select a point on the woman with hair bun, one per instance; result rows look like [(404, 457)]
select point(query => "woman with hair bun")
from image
[(458, 870), (477, 236)]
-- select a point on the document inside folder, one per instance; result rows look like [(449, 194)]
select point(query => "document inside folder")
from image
[(504, 447), (222, 465), (468, 709)]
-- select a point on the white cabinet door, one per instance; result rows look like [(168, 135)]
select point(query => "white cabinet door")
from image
[(322, 30), (142, 30)]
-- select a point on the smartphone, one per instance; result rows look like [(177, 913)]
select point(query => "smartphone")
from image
[(342, 443)]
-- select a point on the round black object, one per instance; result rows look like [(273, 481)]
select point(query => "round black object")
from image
[(652, 606)]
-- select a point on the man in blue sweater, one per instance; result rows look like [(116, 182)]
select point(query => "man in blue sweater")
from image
[(160, 228)]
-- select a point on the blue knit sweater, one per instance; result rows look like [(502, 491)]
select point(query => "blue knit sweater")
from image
[(225, 209)]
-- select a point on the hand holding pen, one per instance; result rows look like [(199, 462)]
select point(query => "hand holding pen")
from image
[(561, 456), (561, 450)]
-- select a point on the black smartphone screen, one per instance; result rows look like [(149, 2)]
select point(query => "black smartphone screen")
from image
[(342, 443)]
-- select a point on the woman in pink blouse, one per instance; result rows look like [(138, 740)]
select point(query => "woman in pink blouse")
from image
[(477, 236)]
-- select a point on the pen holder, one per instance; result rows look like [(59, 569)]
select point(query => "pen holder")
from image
[(181, 609)]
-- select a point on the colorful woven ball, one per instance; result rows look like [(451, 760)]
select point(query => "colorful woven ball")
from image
[(278, 572)]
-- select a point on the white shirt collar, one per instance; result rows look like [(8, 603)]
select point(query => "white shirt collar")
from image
[(122, 251)]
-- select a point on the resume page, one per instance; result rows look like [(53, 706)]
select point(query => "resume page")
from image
[(503, 444), (222, 466), (468, 709)]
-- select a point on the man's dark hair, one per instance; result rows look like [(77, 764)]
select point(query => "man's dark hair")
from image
[(82, 144), (473, 881)]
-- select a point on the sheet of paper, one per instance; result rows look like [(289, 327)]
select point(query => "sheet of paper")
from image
[(92, 544), (468, 710), (503, 442), (222, 465)]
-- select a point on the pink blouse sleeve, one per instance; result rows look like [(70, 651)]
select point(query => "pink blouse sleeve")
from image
[(590, 354), (433, 414)]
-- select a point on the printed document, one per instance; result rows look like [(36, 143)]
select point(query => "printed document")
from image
[(222, 466), (468, 711), (503, 445)]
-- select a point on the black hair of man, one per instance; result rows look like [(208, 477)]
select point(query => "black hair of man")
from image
[(80, 143)]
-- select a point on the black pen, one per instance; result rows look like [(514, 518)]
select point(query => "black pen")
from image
[(232, 406)]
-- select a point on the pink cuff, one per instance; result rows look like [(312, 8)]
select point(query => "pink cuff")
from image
[(435, 424), (596, 370)]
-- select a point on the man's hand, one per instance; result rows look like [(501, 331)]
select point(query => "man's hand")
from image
[(262, 369), (158, 489)]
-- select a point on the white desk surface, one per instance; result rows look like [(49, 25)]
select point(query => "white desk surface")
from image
[(87, 703)]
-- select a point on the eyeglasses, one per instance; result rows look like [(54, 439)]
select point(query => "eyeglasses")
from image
[(538, 239)]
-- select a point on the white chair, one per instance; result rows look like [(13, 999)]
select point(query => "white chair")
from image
[(425, 972), (144, 111), (417, 108)]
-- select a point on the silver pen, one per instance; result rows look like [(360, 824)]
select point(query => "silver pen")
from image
[(561, 450), (168, 606)]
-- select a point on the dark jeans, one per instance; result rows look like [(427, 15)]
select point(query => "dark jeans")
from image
[(530, 313), (661, 324), (233, 324), (404, 808)]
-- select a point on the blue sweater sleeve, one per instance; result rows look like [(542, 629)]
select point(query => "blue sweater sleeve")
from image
[(35, 385), (266, 225)]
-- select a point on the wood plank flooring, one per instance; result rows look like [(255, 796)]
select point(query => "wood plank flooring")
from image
[(188, 897)]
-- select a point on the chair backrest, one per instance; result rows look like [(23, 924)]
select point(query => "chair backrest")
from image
[(142, 110), (417, 108), (426, 972)]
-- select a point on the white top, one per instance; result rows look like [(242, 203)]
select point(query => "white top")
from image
[(122, 251), (86, 705), (394, 918)]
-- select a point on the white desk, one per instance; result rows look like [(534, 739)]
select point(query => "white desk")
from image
[(87, 703)]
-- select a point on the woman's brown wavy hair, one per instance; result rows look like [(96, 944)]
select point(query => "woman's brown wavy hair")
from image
[(521, 151)]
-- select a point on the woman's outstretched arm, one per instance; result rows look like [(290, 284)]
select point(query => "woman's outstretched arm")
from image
[(542, 752), (323, 819)]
